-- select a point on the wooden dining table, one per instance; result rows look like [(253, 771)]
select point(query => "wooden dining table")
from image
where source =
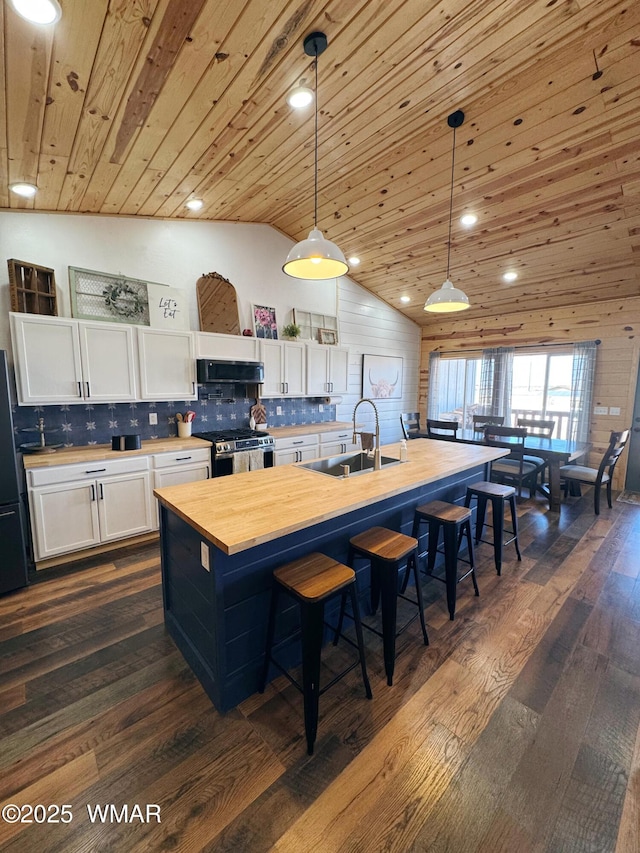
[(555, 451)]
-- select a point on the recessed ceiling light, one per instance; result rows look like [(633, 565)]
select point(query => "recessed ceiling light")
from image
[(299, 97), (468, 219), (38, 11), (405, 299), (354, 260), (25, 190), (194, 204), (510, 276)]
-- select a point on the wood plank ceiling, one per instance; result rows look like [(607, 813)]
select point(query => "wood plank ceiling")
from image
[(130, 107)]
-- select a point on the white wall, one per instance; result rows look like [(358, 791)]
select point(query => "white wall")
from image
[(177, 253)]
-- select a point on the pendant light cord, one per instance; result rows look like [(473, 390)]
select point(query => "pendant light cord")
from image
[(453, 162), (315, 178)]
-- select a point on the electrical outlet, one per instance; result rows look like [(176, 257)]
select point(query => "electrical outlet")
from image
[(204, 556), (321, 408), (153, 418), (278, 410), (600, 410), (614, 410)]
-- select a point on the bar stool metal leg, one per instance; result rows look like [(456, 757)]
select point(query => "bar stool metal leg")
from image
[(311, 619)]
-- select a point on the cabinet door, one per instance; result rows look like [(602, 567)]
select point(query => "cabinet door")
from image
[(176, 477), (338, 370), (226, 347), (124, 505), (294, 369), (271, 354), (108, 361), (47, 359), (288, 457), (64, 517), (167, 365), (317, 370)]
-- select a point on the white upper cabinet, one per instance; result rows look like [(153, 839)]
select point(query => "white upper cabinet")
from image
[(108, 362), (284, 368), (61, 360), (226, 347), (167, 365), (327, 370)]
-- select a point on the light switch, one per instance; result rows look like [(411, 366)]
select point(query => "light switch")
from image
[(600, 410), (614, 410), (153, 418), (278, 410)]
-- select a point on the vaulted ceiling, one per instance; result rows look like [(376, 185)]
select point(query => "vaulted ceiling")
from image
[(130, 107)]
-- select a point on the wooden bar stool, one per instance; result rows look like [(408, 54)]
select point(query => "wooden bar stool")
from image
[(387, 550), (499, 496), (313, 581), (455, 521)]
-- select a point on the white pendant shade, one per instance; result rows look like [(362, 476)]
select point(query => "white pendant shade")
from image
[(315, 258), (447, 299)]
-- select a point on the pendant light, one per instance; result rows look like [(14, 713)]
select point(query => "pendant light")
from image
[(315, 258), (449, 298)]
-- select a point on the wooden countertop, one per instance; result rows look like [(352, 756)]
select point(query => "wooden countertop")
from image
[(244, 510), (309, 429), (97, 452)]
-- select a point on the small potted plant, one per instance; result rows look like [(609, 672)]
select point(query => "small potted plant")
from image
[(291, 331)]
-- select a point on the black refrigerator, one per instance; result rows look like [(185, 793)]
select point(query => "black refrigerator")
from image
[(13, 562)]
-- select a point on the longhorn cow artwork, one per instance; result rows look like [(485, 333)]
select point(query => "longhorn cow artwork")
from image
[(382, 377)]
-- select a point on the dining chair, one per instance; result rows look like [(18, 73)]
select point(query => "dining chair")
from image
[(600, 476), (410, 422), (481, 421), (538, 426), (442, 429), (512, 469)]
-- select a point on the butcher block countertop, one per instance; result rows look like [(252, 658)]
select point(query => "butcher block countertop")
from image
[(309, 429), (239, 512), (99, 452)]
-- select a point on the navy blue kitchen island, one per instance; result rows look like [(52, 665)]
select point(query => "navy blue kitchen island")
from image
[(222, 538)]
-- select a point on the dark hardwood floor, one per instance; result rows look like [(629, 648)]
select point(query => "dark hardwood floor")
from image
[(517, 729)]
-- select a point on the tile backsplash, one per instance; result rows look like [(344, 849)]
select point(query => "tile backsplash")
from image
[(82, 424)]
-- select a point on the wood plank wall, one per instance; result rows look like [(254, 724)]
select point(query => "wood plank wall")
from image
[(369, 325), (615, 323)]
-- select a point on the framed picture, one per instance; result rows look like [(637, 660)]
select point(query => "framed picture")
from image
[(327, 336), (264, 322), (382, 377)]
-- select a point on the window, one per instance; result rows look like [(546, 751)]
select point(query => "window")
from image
[(548, 383)]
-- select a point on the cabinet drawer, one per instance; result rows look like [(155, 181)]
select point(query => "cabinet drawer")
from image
[(296, 441), (180, 457), (88, 471), (337, 436)]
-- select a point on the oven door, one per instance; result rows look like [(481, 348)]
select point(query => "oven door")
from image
[(222, 463)]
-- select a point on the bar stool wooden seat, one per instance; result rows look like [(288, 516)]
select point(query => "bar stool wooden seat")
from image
[(313, 581), (499, 496), (387, 550), (455, 522)]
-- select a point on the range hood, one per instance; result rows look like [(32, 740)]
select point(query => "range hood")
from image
[(214, 372)]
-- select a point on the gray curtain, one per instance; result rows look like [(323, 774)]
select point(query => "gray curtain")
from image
[(432, 395), (583, 373), (496, 375)]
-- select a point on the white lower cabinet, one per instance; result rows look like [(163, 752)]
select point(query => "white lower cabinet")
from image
[(174, 469), (301, 448), (338, 442), (79, 506)]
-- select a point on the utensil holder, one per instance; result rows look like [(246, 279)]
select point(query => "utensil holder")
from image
[(184, 429)]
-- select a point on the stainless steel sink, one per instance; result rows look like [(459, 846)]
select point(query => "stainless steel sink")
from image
[(359, 463)]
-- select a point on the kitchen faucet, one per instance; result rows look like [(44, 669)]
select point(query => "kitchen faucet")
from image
[(377, 463)]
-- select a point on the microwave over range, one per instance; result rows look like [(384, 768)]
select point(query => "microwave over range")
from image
[(213, 371)]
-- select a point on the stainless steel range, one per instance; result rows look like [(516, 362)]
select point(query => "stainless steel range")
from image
[(227, 443)]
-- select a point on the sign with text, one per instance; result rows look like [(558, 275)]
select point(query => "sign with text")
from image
[(168, 307)]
